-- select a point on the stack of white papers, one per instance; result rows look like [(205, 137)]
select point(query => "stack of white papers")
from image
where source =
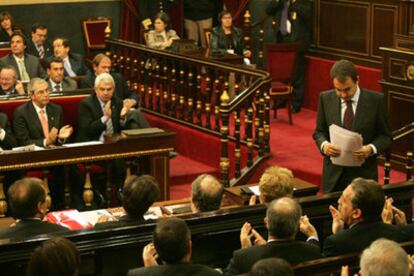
[(347, 141)]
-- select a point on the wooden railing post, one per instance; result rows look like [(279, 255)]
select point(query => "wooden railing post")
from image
[(387, 168), (3, 201), (409, 165), (247, 30), (224, 160)]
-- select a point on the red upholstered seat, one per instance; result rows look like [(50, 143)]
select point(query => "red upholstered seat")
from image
[(4, 52), (281, 60), (94, 35)]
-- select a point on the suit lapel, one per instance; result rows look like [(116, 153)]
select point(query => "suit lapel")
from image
[(335, 107), (51, 118), (35, 118), (15, 65), (361, 105)]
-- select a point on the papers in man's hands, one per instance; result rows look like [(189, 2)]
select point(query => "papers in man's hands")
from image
[(347, 141)]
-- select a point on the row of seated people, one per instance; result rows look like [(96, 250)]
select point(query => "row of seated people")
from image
[(363, 216)]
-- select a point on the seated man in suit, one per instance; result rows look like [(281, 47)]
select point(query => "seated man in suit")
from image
[(283, 220), (27, 66), (27, 200), (7, 139), (39, 46), (275, 182), (172, 245), (9, 84), (359, 208), (138, 194), (207, 193), (39, 121), (73, 63), (56, 81), (102, 64)]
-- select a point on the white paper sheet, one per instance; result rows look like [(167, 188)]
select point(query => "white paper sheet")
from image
[(89, 143), (347, 141), (255, 189)]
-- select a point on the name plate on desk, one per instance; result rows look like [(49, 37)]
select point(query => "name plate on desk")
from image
[(141, 131)]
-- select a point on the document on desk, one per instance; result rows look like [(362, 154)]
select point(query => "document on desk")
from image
[(347, 141), (81, 144)]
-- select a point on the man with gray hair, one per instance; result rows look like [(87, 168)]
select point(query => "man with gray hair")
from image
[(207, 193), (283, 220), (384, 258), (39, 121), (102, 114)]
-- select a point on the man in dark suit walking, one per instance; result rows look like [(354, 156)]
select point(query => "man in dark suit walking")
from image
[(73, 63), (56, 81), (27, 66), (294, 21), (39, 46), (358, 110), (39, 121), (27, 200), (283, 220), (360, 208), (172, 244)]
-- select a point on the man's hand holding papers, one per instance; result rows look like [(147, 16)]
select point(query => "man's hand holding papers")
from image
[(349, 143)]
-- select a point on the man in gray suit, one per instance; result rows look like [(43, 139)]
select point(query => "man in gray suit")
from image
[(56, 81), (358, 110), (27, 66)]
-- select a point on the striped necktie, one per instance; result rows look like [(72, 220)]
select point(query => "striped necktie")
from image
[(349, 115)]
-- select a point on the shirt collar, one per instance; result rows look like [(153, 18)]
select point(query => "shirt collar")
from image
[(53, 84), (18, 59), (38, 108)]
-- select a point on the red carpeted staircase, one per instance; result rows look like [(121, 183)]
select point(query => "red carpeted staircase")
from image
[(292, 147)]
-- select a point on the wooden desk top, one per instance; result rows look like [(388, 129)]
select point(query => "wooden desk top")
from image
[(301, 188)]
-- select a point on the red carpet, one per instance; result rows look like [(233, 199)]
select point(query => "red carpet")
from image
[(292, 147)]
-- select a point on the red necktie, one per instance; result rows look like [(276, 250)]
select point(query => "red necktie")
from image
[(349, 115), (44, 123)]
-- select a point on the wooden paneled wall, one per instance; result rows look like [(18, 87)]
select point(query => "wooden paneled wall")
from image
[(355, 29)]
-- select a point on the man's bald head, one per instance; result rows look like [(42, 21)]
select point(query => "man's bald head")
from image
[(283, 217), (207, 193)]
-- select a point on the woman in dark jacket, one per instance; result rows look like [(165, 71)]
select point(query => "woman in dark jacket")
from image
[(6, 26)]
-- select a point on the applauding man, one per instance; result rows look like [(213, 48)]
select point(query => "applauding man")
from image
[(39, 121)]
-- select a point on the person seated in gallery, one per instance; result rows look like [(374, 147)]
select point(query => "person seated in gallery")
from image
[(27, 201), (162, 36), (73, 63), (9, 84), (172, 246), (283, 220), (7, 139), (275, 182), (40, 121), (227, 38), (56, 80), (207, 194), (56, 256), (138, 194), (6, 26), (271, 267)]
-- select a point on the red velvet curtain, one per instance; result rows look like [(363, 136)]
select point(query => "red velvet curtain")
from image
[(237, 9), (130, 25)]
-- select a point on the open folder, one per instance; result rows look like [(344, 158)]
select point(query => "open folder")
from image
[(347, 141)]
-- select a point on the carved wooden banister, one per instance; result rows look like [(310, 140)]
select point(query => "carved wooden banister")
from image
[(405, 132), (202, 92)]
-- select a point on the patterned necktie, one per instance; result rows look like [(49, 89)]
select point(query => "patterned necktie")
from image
[(68, 68), (349, 115), (284, 19), (23, 73), (109, 127), (44, 123), (57, 88), (41, 51)]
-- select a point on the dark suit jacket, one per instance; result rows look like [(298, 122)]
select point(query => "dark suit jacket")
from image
[(122, 90), (32, 50), (9, 140), (371, 121), (32, 64), (4, 36), (359, 237), (301, 24), (27, 126), (89, 118), (77, 63), (175, 269), (66, 85), (291, 251), (218, 40), (14, 93), (27, 228)]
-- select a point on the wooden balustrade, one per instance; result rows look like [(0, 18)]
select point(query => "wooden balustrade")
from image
[(404, 133), (202, 92)]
